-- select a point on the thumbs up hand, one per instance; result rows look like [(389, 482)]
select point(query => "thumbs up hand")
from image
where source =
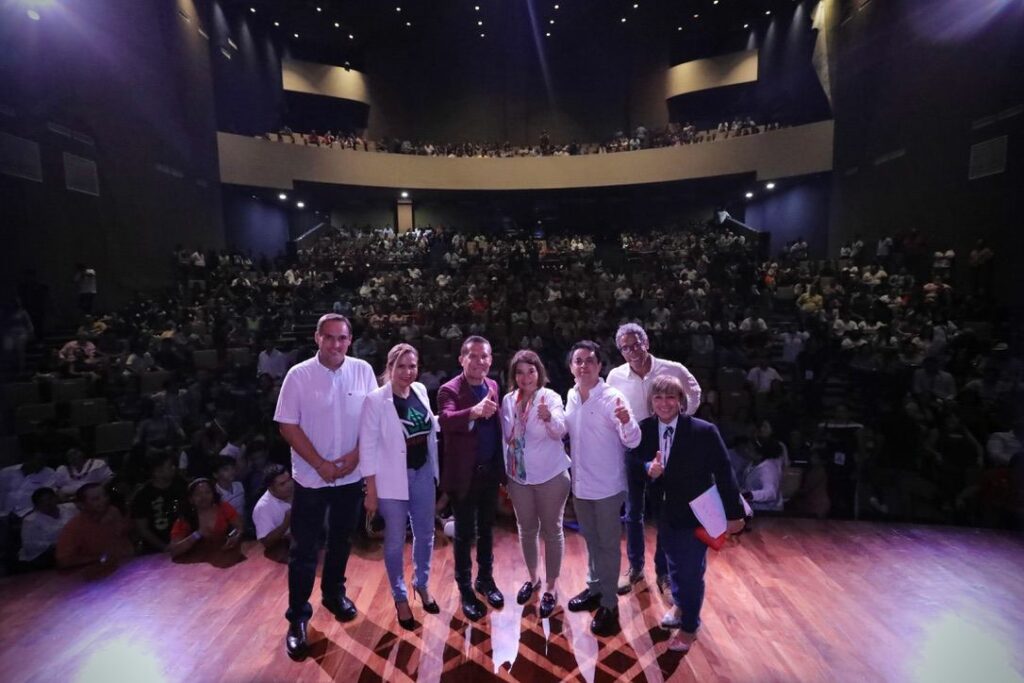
[(656, 468), (486, 407), (621, 411), (543, 412)]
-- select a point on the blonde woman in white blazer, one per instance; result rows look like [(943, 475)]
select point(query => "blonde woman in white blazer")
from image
[(533, 424), (398, 461)]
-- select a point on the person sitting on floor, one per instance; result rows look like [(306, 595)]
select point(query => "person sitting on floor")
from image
[(41, 527), (99, 534), (207, 525), (272, 515), (231, 490), (79, 471), (154, 505)]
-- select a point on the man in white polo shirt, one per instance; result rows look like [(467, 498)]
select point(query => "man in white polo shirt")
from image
[(634, 379), (601, 428), (318, 412), (272, 515)]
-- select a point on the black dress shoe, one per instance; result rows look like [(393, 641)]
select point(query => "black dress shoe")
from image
[(408, 623), (548, 603), (295, 642), (606, 622), (343, 609), (472, 607), (526, 592), (491, 592), (628, 579), (428, 607), (585, 601)]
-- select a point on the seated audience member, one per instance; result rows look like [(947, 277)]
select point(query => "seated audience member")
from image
[(206, 524), (99, 533), (79, 471), (155, 505), (230, 489), (272, 515), (19, 482), (41, 527), (763, 378), (931, 382), (272, 361), (762, 480), (156, 425)]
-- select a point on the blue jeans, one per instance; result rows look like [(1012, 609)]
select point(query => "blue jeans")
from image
[(637, 488), (687, 559), (341, 505), (419, 508)]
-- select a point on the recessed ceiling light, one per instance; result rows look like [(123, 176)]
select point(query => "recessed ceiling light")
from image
[(351, 37), (623, 20), (548, 34), (476, 8), (253, 10), (319, 9), (551, 21), (749, 195), (770, 186), (296, 35), (398, 9), (337, 25), (715, 2), (282, 196), (679, 28), (405, 195), (408, 23), (480, 23), (482, 35), (767, 12), (746, 25), (696, 16), (556, 6), (277, 23), (301, 205), (636, 5)]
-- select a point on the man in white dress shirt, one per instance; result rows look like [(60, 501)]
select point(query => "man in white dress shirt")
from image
[(601, 428), (318, 412), (634, 379)]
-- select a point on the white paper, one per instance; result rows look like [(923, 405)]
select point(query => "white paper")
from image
[(708, 509)]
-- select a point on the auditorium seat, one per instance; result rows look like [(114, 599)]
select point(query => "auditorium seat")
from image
[(89, 411), (28, 417), (19, 393), (239, 357), (731, 379), (205, 359), (114, 437), (64, 390), (152, 382)]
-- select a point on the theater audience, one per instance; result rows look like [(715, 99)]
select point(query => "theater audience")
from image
[(206, 527), (230, 490), (155, 505), (19, 482), (79, 471), (272, 515)]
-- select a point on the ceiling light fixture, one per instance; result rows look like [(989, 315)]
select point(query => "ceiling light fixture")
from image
[(282, 196), (746, 25), (770, 186), (623, 20), (405, 195), (482, 35), (750, 195), (277, 23), (296, 35), (351, 37), (337, 25), (301, 205), (480, 23), (319, 9), (253, 10)]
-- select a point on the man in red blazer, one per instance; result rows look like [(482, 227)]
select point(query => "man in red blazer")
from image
[(472, 470)]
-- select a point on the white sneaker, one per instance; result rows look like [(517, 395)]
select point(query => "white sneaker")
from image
[(672, 619)]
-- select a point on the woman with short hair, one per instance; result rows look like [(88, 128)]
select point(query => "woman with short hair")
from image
[(533, 423)]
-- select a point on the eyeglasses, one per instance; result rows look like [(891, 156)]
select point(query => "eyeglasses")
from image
[(630, 348)]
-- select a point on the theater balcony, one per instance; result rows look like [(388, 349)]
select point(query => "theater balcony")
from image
[(782, 153)]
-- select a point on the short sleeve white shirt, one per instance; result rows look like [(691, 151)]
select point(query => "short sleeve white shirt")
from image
[(326, 405), (269, 514)]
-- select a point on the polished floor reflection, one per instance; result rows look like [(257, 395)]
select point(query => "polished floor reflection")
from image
[(794, 600)]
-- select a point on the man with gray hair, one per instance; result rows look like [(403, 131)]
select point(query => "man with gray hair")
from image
[(634, 379)]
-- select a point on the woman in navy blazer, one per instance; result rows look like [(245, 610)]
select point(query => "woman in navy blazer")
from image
[(683, 456), (398, 461)]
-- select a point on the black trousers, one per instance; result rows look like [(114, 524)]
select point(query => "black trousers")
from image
[(341, 505), (474, 520)]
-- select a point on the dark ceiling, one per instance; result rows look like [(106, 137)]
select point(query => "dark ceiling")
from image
[(689, 28)]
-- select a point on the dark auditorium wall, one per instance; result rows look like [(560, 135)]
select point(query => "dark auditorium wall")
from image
[(797, 207), (915, 83), (134, 77), (495, 89), (255, 225)]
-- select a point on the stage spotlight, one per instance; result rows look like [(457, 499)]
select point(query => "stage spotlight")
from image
[(301, 205), (282, 196), (405, 194), (770, 186), (749, 195)]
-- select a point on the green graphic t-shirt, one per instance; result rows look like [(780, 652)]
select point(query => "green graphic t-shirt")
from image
[(416, 422)]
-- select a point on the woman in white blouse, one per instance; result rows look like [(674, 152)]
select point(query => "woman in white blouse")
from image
[(533, 423), (398, 461)]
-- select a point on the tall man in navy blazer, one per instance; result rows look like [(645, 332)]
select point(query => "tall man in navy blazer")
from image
[(472, 470), (683, 456)]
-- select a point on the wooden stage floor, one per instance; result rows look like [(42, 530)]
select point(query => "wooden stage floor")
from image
[(795, 600)]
